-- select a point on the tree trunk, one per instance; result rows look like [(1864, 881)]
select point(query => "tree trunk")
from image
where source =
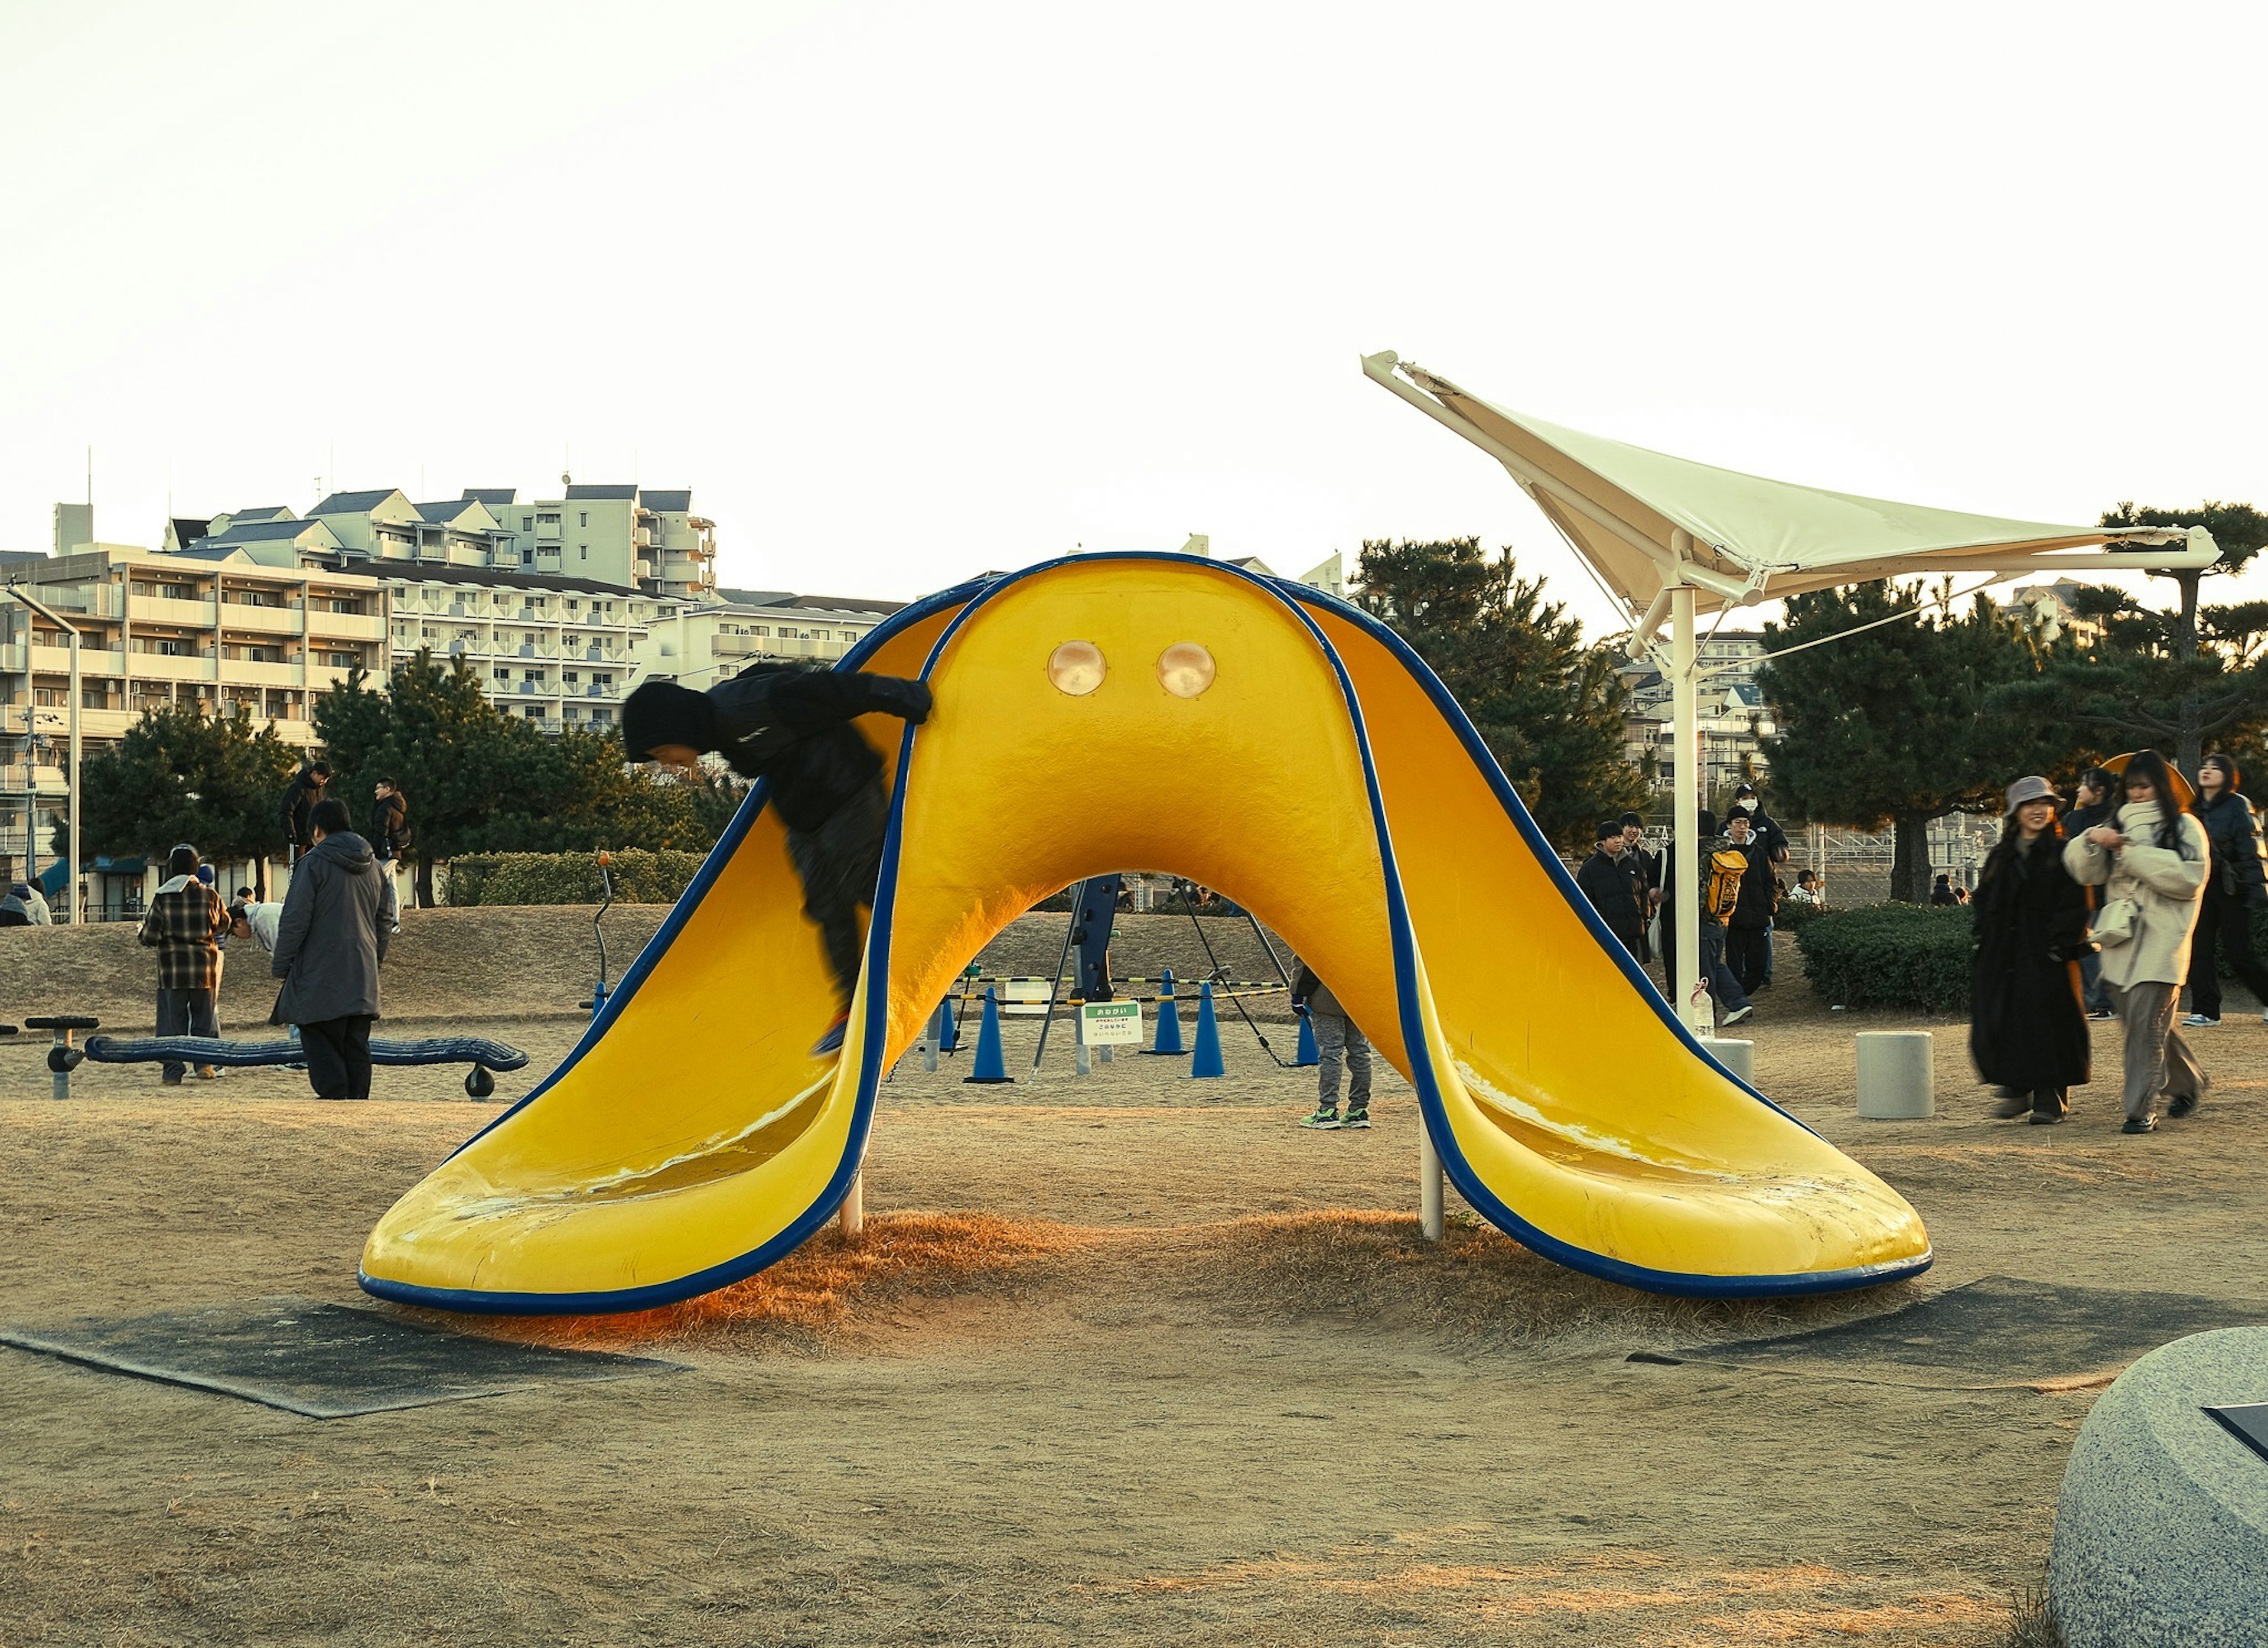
[(1910, 873), (2188, 743)]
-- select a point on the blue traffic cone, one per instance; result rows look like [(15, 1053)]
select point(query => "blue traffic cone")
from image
[(1169, 1019), (948, 1039), (991, 1065), (1308, 1053), (1206, 1060)]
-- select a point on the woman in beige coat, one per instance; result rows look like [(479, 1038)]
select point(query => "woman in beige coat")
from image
[(2155, 857)]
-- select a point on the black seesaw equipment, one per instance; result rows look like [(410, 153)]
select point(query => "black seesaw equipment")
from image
[(485, 1056)]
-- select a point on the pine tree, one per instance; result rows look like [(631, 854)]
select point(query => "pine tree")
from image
[(1890, 726), (1548, 708), (184, 774)]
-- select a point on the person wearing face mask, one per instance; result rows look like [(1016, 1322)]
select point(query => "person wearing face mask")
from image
[(1607, 884), (2027, 1030), (1770, 841), (2151, 865), (2232, 892), (1645, 873)]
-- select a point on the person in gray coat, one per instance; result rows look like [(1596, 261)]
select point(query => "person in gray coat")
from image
[(329, 941)]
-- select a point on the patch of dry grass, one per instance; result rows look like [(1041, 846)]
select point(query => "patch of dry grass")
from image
[(819, 1286), (1474, 1285)]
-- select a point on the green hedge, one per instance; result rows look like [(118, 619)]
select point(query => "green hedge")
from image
[(1794, 913), (640, 878), (1890, 955)]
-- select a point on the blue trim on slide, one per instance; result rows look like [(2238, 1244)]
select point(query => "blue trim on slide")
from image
[(1454, 1164), (1516, 809)]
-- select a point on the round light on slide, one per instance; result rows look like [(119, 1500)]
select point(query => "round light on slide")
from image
[(1075, 667), (1185, 669)]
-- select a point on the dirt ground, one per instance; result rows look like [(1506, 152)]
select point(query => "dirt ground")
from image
[(1125, 1359)]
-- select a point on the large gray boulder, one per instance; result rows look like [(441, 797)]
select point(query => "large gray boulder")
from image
[(2161, 1530)]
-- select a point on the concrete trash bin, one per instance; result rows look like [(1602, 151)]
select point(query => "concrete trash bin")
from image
[(1896, 1082)]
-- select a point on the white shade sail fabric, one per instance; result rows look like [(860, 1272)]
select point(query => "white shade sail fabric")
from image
[(1625, 507)]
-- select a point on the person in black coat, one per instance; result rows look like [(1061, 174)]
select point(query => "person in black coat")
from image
[(1606, 881), (1748, 930), (299, 806), (2095, 802), (792, 726), (2234, 888), (2026, 1028)]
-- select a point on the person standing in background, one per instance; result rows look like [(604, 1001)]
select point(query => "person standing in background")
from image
[(1748, 928), (2233, 890), (299, 798), (329, 941), (389, 839), (1607, 884), (1644, 874), (1338, 1041), (184, 926), (2092, 806), (2151, 865), (2027, 1030)]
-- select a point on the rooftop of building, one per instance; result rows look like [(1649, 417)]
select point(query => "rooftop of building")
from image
[(492, 496), (677, 503), (447, 510), (265, 512), (603, 494), (484, 577), (266, 531), (355, 503), (860, 605)]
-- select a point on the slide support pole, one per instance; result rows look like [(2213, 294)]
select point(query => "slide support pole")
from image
[(1429, 1186), (1685, 774)]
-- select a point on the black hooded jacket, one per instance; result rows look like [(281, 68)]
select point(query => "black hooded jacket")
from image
[(793, 726)]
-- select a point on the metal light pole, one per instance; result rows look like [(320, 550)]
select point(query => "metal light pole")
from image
[(71, 893)]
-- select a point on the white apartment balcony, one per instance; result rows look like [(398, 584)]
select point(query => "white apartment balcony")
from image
[(528, 649), (343, 626), (276, 620), (166, 667), (105, 600), (323, 677), (55, 660), (188, 613), (244, 672)]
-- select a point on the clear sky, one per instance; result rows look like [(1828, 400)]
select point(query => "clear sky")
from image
[(905, 291)]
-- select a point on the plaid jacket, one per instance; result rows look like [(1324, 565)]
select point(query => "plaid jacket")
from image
[(182, 925)]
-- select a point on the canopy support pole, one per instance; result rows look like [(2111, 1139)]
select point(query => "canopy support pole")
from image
[(1685, 781)]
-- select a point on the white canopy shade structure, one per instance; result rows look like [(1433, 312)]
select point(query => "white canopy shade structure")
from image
[(1671, 538)]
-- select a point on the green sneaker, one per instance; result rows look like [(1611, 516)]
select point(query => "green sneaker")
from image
[(1356, 1117), (1326, 1118)]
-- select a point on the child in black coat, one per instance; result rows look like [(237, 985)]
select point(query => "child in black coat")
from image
[(792, 726)]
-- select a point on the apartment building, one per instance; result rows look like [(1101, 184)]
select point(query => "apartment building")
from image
[(557, 651), (1734, 718), (634, 537), (703, 643), (211, 627)]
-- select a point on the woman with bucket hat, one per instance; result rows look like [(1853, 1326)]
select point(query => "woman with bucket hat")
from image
[(2027, 1026), (2152, 866)]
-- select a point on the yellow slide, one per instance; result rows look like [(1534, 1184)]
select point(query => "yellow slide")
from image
[(1163, 712)]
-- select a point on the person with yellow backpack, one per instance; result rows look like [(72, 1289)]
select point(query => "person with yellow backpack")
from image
[(1722, 870)]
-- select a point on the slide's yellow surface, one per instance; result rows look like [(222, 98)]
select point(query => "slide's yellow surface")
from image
[(1323, 778)]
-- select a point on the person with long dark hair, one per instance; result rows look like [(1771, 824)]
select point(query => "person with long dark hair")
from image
[(2233, 890), (2027, 1027), (2151, 865)]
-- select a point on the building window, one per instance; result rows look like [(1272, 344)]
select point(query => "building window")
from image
[(582, 552), (587, 516)]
